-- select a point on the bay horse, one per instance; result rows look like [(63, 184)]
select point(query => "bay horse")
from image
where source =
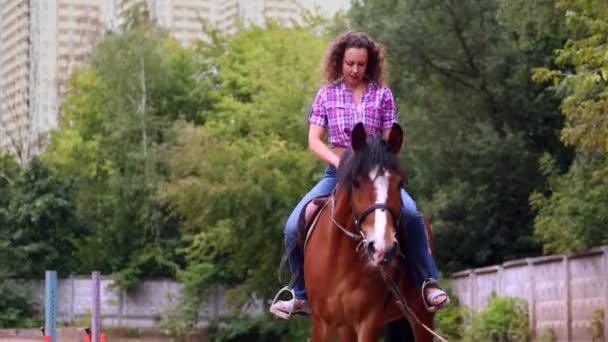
[(353, 240)]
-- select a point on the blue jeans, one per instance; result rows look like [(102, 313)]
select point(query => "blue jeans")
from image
[(420, 263)]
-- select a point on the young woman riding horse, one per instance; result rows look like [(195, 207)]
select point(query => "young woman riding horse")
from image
[(351, 258), (353, 69)]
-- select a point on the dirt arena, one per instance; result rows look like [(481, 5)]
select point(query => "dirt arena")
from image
[(77, 335)]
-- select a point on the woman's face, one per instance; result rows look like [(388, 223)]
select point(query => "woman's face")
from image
[(354, 66)]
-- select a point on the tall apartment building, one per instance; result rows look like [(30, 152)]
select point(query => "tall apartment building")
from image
[(325, 7), (257, 11), (42, 41), (185, 18), (14, 74)]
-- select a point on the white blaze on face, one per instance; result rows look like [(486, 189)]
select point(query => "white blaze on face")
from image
[(381, 186)]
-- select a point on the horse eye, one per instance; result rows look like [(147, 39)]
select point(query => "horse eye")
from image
[(356, 184)]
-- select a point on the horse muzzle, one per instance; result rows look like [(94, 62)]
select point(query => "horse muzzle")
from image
[(382, 256)]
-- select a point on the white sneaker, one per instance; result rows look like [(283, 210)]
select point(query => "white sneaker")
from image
[(285, 308)]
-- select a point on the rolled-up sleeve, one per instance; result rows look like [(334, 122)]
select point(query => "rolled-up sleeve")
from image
[(388, 112), (318, 112)]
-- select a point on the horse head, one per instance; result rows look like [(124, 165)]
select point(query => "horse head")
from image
[(369, 170)]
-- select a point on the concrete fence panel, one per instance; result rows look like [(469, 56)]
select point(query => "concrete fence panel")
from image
[(563, 291)]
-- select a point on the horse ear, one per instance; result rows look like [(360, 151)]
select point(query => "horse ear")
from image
[(359, 137), (395, 138)]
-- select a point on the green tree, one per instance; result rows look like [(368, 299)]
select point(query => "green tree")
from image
[(40, 230), (572, 212), (476, 123), (10, 173), (17, 308), (235, 179), (117, 121)]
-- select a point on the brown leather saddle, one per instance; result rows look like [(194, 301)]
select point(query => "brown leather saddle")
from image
[(304, 226)]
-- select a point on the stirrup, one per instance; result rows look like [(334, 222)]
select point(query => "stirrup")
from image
[(280, 313), (427, 305)]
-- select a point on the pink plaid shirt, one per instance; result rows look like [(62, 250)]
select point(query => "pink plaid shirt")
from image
[(335, 110)]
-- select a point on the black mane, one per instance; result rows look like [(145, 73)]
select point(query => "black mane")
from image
[(376, 153)]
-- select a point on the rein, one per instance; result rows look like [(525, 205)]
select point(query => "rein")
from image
[(402, 304), (401, 301)]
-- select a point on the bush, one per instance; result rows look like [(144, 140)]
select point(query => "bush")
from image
[(17, 310), (239, 328), (596, 330), (548, 335), (504, 319), (450, 321)]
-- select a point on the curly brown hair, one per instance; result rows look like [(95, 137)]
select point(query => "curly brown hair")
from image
[(331, 68)]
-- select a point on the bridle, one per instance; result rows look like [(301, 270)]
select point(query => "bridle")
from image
[(382, 206), (358, 219)]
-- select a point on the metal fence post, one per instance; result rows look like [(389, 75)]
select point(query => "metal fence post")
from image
[(72, 297), (605, 255), (50, 305), (95, 317), (567, 285), (532, 299)]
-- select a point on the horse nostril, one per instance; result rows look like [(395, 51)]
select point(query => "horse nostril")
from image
[(370, 247), (392, 249)]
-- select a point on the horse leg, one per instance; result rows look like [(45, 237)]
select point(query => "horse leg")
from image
[(369, 332), (399, 331), (321, 332), (348, 334), (417, 305)]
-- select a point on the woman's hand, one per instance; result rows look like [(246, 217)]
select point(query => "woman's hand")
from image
[(337, 155)]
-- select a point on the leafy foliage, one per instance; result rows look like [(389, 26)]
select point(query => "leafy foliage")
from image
[(547, 335), (573, 210), (38, 231), (504, 319), (235, 328), (9, 174), (473, 163), (41, 230), (117, 121), (233, 180), (16, 306), (452, 321), (596, 329)]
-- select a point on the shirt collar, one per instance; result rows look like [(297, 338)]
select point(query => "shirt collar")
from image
[(371, 86)]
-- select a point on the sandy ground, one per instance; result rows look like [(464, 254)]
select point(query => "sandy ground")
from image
[(77, 335), (32, 339), (26, 339)]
